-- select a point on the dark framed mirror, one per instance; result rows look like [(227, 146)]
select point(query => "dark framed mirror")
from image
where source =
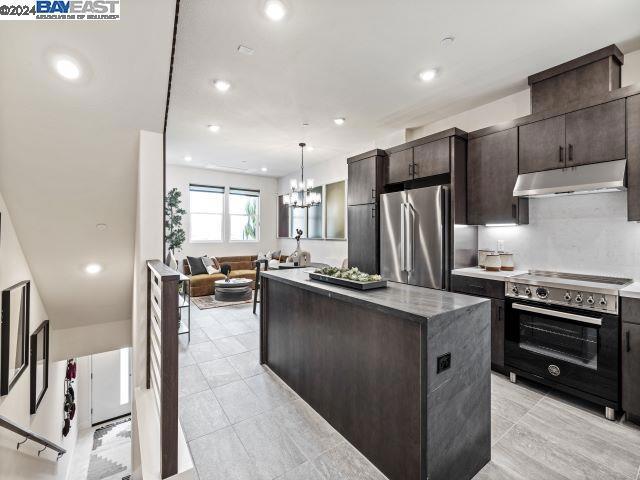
[(14, 335), (39, 366)]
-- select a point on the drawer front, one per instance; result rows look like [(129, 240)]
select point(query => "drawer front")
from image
[(477, 286)]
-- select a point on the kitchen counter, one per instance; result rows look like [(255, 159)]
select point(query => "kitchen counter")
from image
[(478, 272), (402, 372), (406, 301), (631, 291)]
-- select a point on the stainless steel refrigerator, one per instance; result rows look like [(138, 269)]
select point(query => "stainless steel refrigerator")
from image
[(414, 236)]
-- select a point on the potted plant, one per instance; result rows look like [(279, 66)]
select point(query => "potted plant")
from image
[(175, 235)]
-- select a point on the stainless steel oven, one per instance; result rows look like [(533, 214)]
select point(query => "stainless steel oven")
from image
[(565, 338)]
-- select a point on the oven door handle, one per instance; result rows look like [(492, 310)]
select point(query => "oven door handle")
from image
[(555, 313)]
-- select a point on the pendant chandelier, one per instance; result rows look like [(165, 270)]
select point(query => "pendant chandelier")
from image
[(301, 195)]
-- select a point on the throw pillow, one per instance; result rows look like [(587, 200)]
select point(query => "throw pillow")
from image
[(214, 261), (207, 262), (196, 266), (211, 270), (275, 255)]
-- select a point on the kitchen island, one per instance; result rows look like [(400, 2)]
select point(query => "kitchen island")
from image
[(403, 372)]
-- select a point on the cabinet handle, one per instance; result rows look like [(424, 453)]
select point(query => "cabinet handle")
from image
[(373, 212), (561, 154), (514, 211), (415, 169), (628, 339), (411, 169), (570, 153), (373, 193)]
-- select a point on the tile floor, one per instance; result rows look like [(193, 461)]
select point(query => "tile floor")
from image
[(242, 422)]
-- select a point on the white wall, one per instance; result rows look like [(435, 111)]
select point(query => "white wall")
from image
[(24, 464), (180, 177), (332, 252)]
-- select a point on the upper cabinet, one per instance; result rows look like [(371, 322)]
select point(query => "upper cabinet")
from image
[(400, 166), (492, 170), (365, 178), (633, 158), (431, 158), (541, 145), (596, 134), (421, 158), (590, 135)]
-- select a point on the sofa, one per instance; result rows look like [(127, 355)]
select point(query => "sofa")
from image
[(241, 267)]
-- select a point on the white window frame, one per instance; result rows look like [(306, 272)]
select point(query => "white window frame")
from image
[(228, 214), (223, 214)]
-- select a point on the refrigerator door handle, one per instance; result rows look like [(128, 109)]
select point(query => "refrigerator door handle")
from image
[(402, 236), (410, 236)]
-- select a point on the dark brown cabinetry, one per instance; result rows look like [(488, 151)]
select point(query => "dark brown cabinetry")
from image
[(431, 159), (492, 171), (592, 74), (596, 134), (493, 289), (400, 166), (633, 158), (364, 189), (364, 183), (425, 160), (541, 145), (631, 358), (497, 333), (363, 249)]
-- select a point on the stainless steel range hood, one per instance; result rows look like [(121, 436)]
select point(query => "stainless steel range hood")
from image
[(593, 178)]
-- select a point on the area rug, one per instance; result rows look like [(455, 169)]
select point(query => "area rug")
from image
[(111, 453), (209, 301)]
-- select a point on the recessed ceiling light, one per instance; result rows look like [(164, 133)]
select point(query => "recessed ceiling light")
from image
[(93, 268), (305, 124), (428, 75), (245, 50), (101, 227), (214, 128), (447, 41), (264, 169), (339, 121), (67, 68), (187, 158), (275, 10), (221, 85)]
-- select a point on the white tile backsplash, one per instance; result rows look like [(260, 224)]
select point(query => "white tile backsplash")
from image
[(575, 233)]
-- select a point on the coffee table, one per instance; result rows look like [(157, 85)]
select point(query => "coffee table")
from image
[(233, 290)]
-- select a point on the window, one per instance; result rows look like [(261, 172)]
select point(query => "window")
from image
[(244, 215), (207, 210)]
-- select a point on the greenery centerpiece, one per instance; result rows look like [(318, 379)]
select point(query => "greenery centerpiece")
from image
[(348, 274)]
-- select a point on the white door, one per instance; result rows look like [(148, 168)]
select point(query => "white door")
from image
[(110, 385)]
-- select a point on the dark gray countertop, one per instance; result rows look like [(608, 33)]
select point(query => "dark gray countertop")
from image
[(415, 303)]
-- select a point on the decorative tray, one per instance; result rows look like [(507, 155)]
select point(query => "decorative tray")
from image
[(343, 282)]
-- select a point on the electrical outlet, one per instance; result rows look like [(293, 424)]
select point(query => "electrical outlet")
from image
[(444, 362)]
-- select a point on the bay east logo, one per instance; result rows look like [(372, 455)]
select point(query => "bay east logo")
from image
[(60, 10), (94, 9)]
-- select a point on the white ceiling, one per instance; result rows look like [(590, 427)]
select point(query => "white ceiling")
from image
[(360, 59), (68, 152)]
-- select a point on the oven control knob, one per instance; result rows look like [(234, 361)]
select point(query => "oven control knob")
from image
[(514, 289), (567, 296), (591, 300), (579, 298), (542, 292), (603, 302), (528, 292)]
